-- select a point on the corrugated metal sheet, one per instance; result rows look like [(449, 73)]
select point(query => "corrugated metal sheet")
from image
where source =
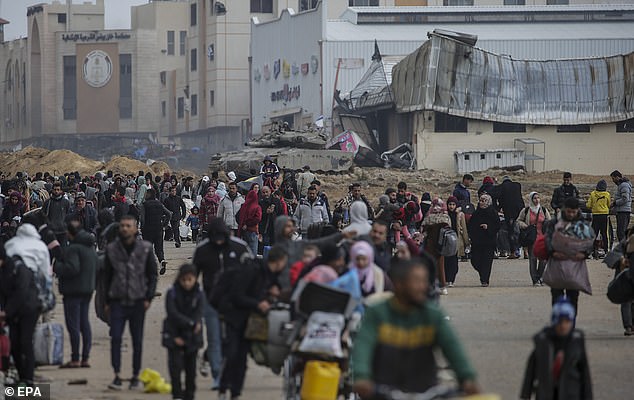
[(481, 160), (448, 76)]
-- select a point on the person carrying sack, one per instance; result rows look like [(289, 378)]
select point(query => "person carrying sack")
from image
[(531, 223), (569, 241)]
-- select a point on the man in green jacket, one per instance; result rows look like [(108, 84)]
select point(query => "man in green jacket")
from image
[(395, 345), (76, 273)]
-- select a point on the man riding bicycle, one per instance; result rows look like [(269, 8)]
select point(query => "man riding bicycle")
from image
[(395, 345)]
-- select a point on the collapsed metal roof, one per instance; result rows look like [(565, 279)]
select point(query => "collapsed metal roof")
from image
[(449, 76)]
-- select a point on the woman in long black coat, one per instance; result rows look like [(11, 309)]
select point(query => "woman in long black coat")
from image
[(483, 228)]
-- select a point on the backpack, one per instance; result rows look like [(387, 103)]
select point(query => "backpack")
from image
[(448, 242), (43, 283)]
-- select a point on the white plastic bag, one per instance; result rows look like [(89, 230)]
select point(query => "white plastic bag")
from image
[(323, 334)]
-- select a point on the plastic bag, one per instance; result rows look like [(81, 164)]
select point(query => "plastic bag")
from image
[(323, 334), (567, 274), (153, 382)]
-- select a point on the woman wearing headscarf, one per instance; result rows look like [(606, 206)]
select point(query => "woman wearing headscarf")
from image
[(250, 218), (436, 219), (359, 219), (13, 208), (459, 225), (371, 276), (221, 190), (209, 206), (483, 229), (599, 204), (535, 215)]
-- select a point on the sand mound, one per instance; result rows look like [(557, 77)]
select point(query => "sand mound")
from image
[(58, 162)]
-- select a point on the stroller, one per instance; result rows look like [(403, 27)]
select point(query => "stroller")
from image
[(314, 302)]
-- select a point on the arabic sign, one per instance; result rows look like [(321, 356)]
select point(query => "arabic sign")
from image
[(286, 94), (95, 36)]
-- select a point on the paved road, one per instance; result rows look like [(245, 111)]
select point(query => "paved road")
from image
[(496, 324)]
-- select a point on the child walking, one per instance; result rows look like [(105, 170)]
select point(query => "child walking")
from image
[(182, 330), (558, 366), (193, 221)]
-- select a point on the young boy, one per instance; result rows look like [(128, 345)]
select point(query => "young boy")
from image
[(558, 366), (182, 330), (194, 221), (311, 252)]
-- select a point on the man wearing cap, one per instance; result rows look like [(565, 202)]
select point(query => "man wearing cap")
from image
[(304, 180), (84, 213), (558, 366)]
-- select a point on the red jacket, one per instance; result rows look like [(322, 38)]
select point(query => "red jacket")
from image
[(251, 213)]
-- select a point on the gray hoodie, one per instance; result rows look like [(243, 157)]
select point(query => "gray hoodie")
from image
[(623, 196)]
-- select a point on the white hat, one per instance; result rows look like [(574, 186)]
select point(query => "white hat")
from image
[(205, 178), (232, 175)]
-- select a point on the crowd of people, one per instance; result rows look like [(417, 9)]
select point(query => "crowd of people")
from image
[(105, 234)]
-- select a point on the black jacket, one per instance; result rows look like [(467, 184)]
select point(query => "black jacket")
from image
[(484, 237), (177, 206), (509, 197), (248, 289), (562, 193), (184, 310), (78, 269), (123, 209), (18, 294), (267, 224), (151, 215), (56, 209), (574, 379), (212, 260), (130, 273)]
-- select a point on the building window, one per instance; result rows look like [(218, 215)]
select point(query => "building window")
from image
[(573, 128), (163, 76), (163, 108), (625, 126), (363, 3), (305, 5), (170, 43), (262, 6), (193, 14), (557, 2), (194, 105), (508, 128), (449, 123), (194, 60), (514, 2), (457, 2), (183, 42), (61, 18), (125, 86), (181, 108), (212, 6), (70, 88), (212, 99)]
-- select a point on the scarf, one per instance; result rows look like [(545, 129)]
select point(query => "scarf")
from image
[(534, 208), (488, 201), (366, 275)]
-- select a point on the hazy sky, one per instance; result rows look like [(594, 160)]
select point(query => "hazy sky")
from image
[(117, 14)]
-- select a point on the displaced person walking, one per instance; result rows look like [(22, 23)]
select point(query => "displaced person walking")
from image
[(599, 204), (459, 225), (77, 272), (483, 228), (531, 223), (182, 330), (176, 205), (130, 276), (622, 203)]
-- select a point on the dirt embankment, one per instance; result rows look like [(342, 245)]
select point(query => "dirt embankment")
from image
[(58, 162), (441, 184)]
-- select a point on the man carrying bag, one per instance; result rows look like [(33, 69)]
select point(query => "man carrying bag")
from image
[(569, 240)]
